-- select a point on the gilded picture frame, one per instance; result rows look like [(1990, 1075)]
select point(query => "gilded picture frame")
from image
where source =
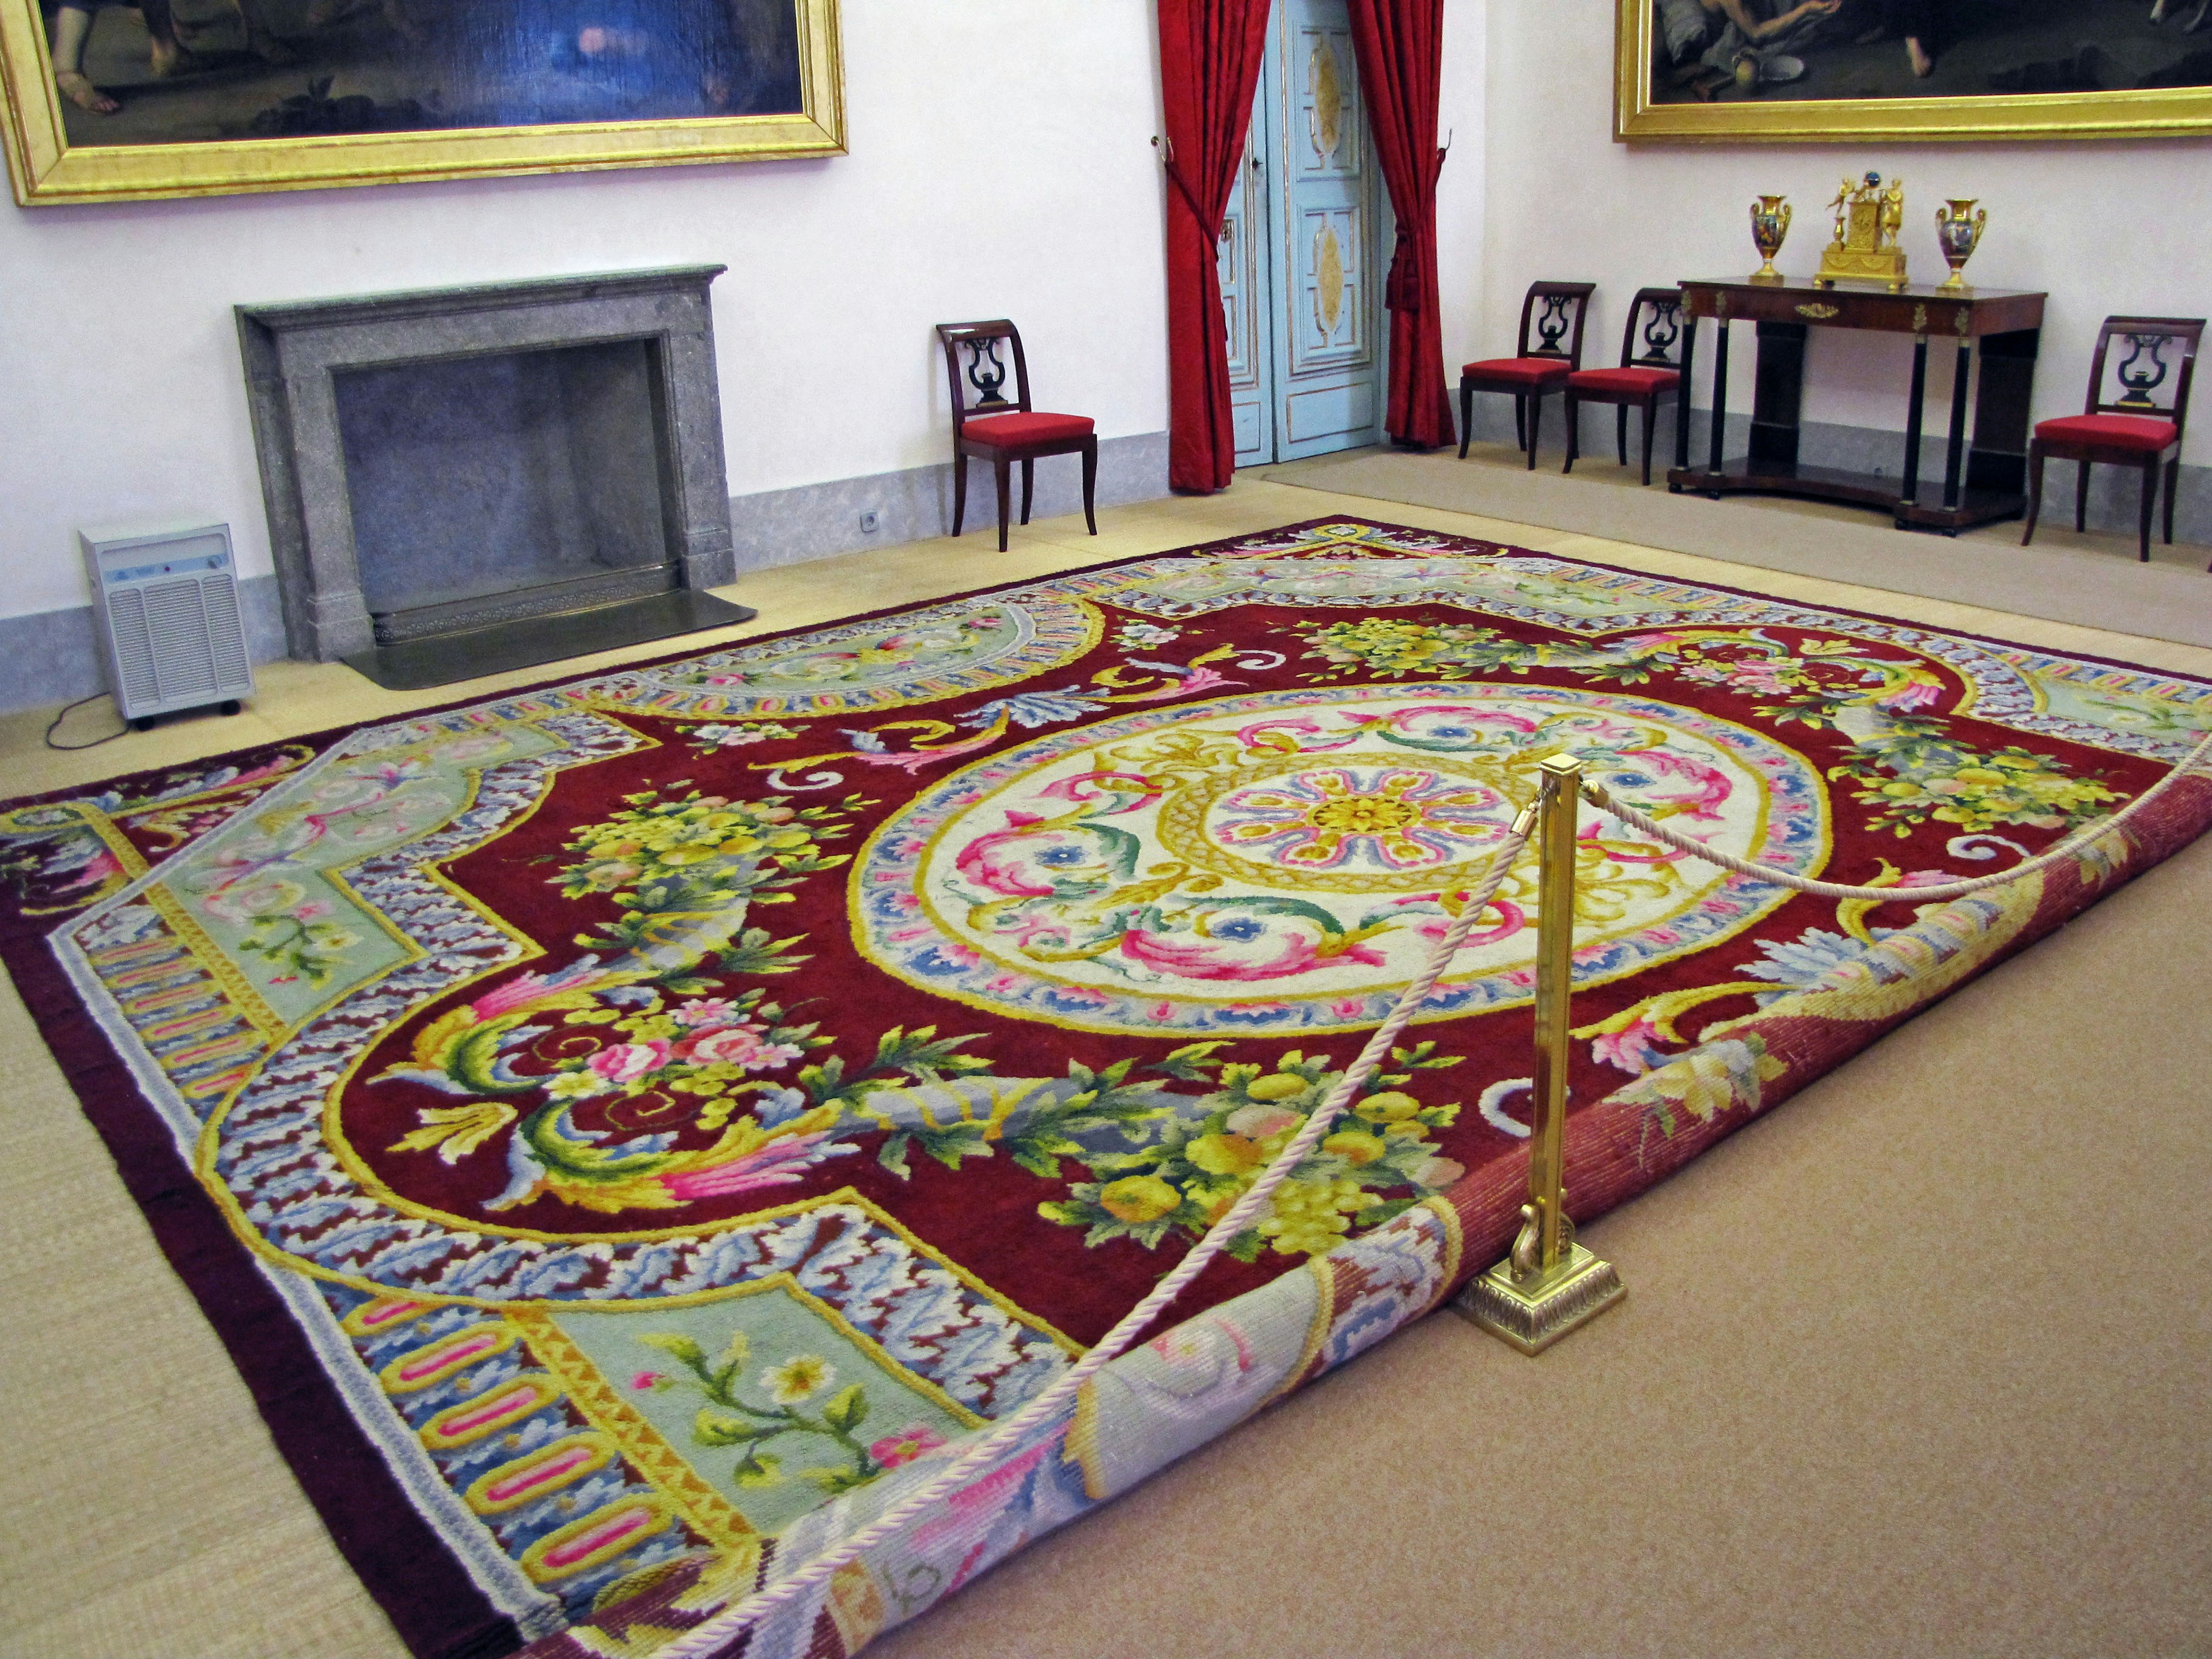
[(46, 165), (1642, 114)]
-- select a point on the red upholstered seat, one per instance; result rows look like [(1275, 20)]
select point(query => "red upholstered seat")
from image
[(1034, 428), (1529, 371), (1629, 382), (2138, 433), (1535, 370)]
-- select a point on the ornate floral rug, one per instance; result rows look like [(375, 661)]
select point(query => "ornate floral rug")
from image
[(626, 1131)]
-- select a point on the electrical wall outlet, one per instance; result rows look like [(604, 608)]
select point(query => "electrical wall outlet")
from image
[(869, 522)]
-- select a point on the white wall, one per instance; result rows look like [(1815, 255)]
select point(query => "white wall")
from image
[(1031, 192), (2102, 228), (1462, 188), (1000, 166)]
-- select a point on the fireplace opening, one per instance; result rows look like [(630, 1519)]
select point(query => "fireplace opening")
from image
[(462, 481), (490, 488)]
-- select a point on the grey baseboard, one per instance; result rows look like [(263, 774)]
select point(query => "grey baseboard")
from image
[(2115, 493), (815, 521), (54, 656)]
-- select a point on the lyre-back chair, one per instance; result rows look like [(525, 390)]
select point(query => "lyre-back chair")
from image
[(989, 426), (2134, 430), (1651, 368), (1538, 368)]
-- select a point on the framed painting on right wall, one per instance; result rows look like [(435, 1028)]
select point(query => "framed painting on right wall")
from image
[(1827, 70)]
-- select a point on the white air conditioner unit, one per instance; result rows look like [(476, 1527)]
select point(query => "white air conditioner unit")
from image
[(165, 600)]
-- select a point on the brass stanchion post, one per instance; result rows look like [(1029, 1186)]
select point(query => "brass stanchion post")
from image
[(1549, 1284)]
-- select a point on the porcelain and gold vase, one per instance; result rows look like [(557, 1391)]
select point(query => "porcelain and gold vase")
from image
[(1769, 223), (1958, 225)]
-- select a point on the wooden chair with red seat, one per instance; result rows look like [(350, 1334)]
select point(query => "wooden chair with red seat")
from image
[(1642, 380), (2135, 431), (1538, 369), (995, 429)]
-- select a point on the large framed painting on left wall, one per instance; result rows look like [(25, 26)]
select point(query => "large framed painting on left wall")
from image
[(108, 101)]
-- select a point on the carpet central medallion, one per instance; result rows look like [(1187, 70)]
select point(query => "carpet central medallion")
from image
[(1286, 860), (1352, 828)]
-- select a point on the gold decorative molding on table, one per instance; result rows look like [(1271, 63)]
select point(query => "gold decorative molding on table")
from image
[(47, 168), (1547, 1285), (1769, 223), (1640, 116), (1817, 312), (1867, 218)]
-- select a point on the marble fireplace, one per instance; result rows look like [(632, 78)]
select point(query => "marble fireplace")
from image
[(464, 480)]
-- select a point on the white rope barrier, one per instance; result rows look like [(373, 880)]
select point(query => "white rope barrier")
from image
[(1643, 824), (709, 1638)]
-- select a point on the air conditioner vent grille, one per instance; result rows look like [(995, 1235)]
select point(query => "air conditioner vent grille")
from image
[(226, 635), (178, 623), (134, 651)]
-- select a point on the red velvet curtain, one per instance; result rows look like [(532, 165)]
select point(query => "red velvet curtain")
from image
[(1210, 56), (1400, 46)]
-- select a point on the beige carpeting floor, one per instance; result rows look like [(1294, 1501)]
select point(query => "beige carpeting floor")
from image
[(2093, 579), (1916, 1365)]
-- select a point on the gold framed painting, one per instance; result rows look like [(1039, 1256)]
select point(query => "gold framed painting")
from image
[(1771, 71), (106, 102)]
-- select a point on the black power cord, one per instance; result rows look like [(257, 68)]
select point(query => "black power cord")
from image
[(69, 747)]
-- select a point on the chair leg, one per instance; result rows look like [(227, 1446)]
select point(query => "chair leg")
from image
[(2172, 484), (1620, 431), (1535, 425), (1650, 408), (959, 490), (1574, 434), (2149, 502), (1004, 468), (2034, 492), (1521, 421), (1090, 483), (1466, 417), (2082, 500), (1029, 485)]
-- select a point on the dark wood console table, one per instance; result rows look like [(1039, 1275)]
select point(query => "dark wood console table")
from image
[(1981, 483)]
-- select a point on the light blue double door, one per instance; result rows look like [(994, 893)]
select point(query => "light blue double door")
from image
[(1303, 250)]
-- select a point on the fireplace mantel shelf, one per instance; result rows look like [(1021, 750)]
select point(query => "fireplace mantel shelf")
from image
[(287, 315)]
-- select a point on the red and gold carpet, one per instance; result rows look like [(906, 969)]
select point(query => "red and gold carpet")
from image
[(628, 1130)]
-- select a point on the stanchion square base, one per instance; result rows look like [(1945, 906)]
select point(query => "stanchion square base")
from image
[(1534, 1315)]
